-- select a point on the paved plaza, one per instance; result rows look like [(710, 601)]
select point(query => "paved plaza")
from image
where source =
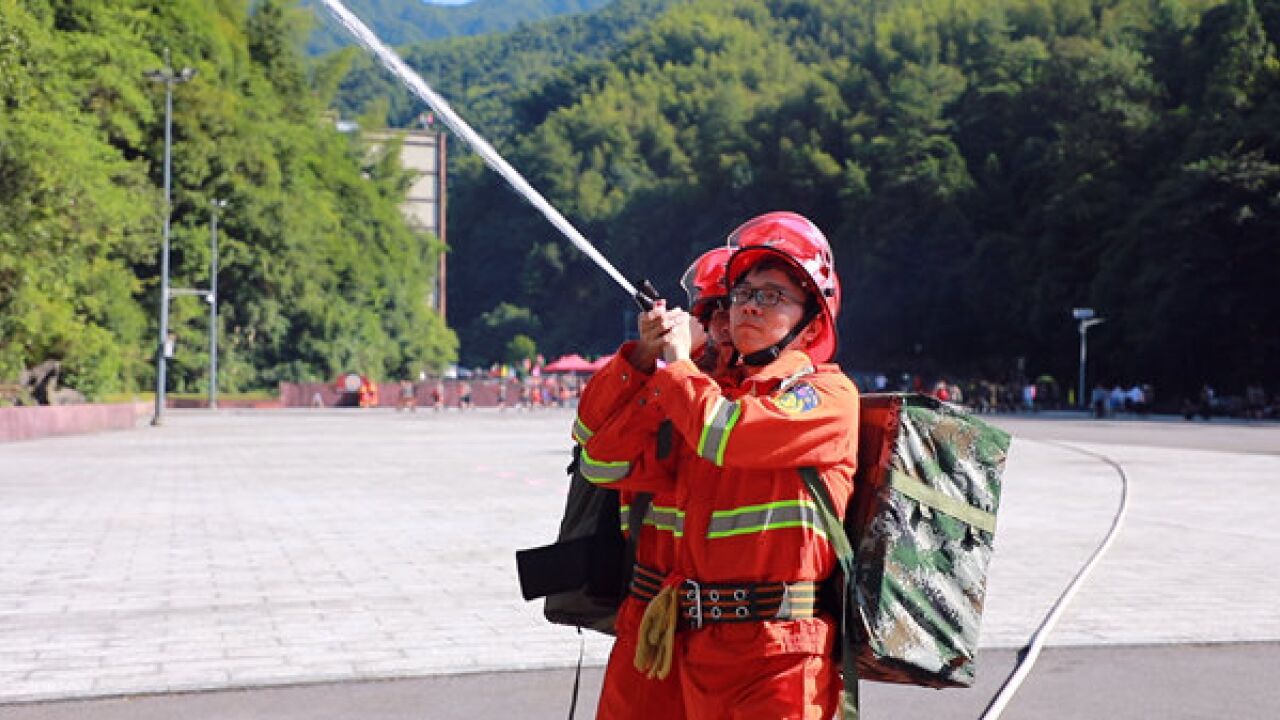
[(276, 548)]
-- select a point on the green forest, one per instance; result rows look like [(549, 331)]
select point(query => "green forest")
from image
[(981, 167), (398, 22), (319, 271), (489, 76)]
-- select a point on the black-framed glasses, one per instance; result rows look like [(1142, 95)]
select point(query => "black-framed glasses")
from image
[(763, 297)]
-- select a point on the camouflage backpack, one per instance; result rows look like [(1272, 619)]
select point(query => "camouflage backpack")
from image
[(916, 541)]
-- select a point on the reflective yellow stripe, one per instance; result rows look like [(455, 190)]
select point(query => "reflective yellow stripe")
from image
[(763, 517), (715, 433), (581, 433), (602, 471), (666, 519)]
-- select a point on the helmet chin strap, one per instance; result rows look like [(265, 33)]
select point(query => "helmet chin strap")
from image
[(763, 357)]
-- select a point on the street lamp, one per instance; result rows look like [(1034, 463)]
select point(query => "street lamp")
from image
[(1086, 319), (212, 297), (169, 78)]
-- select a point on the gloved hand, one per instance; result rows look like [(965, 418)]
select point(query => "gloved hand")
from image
[(656, 644)]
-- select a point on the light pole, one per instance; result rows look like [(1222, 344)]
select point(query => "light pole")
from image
[(169, 78), (1085, 316), (212, 297)]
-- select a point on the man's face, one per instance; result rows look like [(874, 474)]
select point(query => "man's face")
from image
[(754, 324), (718, 326), (719, 343)]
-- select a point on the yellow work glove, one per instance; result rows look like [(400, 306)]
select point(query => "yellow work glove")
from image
[(656, 643)]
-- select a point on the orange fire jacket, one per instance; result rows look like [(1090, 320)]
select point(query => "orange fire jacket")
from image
[(743, 512)]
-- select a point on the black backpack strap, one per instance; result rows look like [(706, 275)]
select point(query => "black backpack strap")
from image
[(666, 433), (635, 518), (844, 555), (635, 515)]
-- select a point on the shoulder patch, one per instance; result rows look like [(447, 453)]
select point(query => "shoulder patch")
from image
[(800, 398)]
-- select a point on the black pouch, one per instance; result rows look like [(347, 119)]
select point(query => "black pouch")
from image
[(585, 573)]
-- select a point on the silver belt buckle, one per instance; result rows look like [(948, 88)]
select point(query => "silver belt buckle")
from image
[(693, 592)]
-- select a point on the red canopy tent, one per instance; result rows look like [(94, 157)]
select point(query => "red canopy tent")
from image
[(601, 362), (567, 364)]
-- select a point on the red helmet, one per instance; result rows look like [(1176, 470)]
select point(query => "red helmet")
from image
[(799, 243), (704, 280)]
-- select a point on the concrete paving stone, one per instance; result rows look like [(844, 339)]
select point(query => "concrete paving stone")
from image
[(178, 682), (179, 667), (268, 655), (23, 690), (124, 685), (127, 657), (128, 668), (345, 655), (42, 605), (288, 674), (67, 675), (318, 668), (47, 632), (80, 662), (138, 644), (393, 667), (201, 651), (55, 646), (16, 666)]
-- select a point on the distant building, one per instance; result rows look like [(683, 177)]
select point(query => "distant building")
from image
[(422, 152)]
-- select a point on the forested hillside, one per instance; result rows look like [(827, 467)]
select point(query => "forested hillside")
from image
[(319, 271), (488, 78), (400, 22), (982, 167)]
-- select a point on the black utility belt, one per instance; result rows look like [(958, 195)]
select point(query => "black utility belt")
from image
[(703, 602)]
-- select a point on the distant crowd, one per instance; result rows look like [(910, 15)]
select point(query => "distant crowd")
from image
[(1254, 404), (505, 393), (1137, 399), (520, 391), (516, 393), (980, 395), (1104, 400)]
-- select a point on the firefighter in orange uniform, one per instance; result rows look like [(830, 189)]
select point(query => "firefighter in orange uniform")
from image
[(628, 692), (736, 615), (368, 393)]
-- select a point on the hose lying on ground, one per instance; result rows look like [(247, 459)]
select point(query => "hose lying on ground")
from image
[(1028, 655)]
